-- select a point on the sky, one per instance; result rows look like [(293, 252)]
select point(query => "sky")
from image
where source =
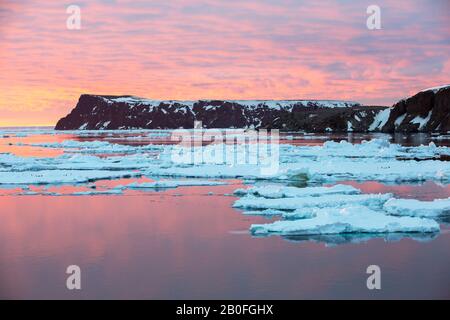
[(223, 49)]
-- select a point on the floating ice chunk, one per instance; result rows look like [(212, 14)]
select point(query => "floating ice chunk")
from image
[(353, 219), (267, 212), (95, 147), (165, 184), (97, 192), (292, 192), (60, 176), (417, 208), (334, 200), (245, 171)]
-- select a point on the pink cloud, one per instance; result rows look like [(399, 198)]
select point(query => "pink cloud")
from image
[(216, 49)]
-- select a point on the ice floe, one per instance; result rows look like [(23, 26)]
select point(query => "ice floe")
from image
[(267, 212), (167, 184), (319, 211), (60, 176), (292, 192), (333, 200), (352, 219), (417, 208)]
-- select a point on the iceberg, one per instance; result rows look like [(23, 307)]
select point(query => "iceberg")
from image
[(352, 219)]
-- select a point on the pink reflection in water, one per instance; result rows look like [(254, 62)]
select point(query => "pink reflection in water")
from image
[(160, 245), (427, 191)]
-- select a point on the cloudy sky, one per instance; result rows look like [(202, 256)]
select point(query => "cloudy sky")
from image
[(265, 49)]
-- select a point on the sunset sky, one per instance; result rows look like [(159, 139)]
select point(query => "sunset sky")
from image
[(266, 49)]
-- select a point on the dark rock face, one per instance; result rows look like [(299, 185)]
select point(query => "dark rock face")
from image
[(125, 112), (427, 111)]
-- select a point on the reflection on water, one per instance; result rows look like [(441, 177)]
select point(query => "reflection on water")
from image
[(159, 245), (426, 191), (339, 239), (188, 244)]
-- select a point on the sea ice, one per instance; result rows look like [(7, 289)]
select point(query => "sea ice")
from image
[(292, 192), (60, 176), (333, 200), (417, 208), (267, 212), (165, 184), (352, 219)]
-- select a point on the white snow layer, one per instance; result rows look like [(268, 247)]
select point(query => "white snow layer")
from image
[(436, 89), (380, 119), (273, 104)]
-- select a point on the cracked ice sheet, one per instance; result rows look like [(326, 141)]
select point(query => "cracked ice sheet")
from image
[(417, 208), (378, 148), (334, 200), (293, 164), (352, 219)]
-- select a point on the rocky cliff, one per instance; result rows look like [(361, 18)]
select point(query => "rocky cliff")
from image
[(94, 112), (426, 111)]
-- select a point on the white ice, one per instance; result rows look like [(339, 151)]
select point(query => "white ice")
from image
[(333, 200), (60, 176), (165, 184), (417, 208), (352, 219), (272, 191)]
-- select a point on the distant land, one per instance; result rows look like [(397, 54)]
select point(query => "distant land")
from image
[(426, 111)]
